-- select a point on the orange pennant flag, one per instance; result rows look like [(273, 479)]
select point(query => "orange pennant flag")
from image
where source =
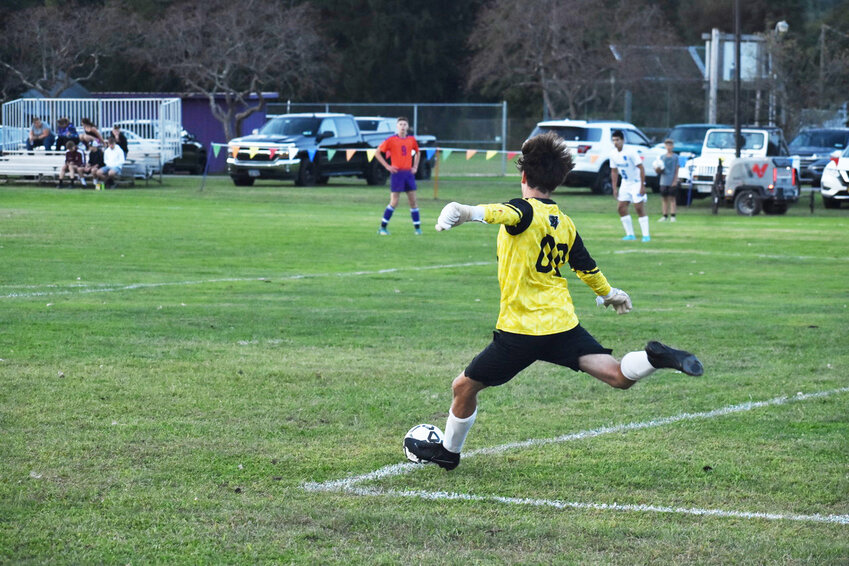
[(349, 153), (235, 151), (490, 154), (470, 153)]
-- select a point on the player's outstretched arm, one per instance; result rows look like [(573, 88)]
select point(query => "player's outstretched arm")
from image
[(617, 298), (454, 214)]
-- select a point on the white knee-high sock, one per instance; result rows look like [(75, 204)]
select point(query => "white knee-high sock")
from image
[(644, 225), (456, 430), (635, 365), (628, 224)]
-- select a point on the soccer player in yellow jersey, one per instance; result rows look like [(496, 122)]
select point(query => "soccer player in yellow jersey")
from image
[(537, 319)]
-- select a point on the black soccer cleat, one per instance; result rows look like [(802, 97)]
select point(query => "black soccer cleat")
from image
[(662, 356), (432, 452)]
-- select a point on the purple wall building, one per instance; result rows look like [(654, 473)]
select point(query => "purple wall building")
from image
[(198, 120)]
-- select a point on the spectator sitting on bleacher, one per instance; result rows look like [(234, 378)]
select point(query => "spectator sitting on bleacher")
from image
[(120, 138), (113, 157), (95, 160), (40, 135), (73, 165), (65, 132), (90, 133)]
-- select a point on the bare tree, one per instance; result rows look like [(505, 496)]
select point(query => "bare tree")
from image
[(48, 48), (234, 51), (561, 48)]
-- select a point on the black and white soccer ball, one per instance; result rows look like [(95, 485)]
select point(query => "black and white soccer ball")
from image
[(426, 432)]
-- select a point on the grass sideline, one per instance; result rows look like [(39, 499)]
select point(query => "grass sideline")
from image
[(176, 364)]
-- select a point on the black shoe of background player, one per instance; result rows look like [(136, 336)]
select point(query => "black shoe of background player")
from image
[(662, 356), (433, 452)]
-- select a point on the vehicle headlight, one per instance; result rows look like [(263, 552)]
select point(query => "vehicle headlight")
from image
[(830, 171)]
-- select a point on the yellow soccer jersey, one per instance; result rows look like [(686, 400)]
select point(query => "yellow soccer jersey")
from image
[(535, 241)]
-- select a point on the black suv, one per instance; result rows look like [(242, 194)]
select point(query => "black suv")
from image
[(814, 147)]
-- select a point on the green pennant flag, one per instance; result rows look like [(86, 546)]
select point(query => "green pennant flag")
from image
[(330, 154), (216, 147), (446, 153)]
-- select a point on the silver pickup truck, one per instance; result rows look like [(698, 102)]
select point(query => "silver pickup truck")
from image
[(764, 177)]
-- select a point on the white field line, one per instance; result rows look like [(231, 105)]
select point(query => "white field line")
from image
[(448, 496), (79, 289), (112, 288), (350, 484)]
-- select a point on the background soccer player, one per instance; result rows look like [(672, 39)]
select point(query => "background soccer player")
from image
[(537, 320), (403, 152), (625, 162)]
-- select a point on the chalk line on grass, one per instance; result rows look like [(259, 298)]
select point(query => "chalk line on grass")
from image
[(351, 484), (80, 289)]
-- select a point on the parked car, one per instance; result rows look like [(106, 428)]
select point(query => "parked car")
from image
[(835, 181), (688, 138), (591, 147), (815, 147), (193, 159), (308, 148), (386, 125)]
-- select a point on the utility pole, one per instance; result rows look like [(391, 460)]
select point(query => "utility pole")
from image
[(737, 137)]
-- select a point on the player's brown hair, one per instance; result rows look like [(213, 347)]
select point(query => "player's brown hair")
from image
[(545, 161)]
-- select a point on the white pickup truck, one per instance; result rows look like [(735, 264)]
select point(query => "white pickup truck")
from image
[(764, 177)]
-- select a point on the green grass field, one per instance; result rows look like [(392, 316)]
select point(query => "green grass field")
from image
[(225, 376)]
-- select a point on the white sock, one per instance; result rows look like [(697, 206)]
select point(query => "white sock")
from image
[(635, 365), (644, 225), (456, 430), (628, 224)]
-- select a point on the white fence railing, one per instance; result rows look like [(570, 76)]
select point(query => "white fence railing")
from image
[(158, 119)]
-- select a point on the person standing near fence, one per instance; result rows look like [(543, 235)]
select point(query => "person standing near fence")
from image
[(403, 152), (625, 162), (669, 182)]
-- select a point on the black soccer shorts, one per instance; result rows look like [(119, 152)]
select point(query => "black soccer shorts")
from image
[(510, 353)]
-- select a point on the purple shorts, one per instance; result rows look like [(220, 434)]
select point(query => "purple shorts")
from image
[(402, 181)]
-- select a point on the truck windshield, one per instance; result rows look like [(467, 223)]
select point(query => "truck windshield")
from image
[(288, 126), (571, 133), (821, 138), (725, 140)]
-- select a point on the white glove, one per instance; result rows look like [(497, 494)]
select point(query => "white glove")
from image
[(617, 298), (454, 214)]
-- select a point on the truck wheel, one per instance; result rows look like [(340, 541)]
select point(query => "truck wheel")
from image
[(424, 171), (771, 207), (747, 203), (242, 180), (307, 173), (830, 202), (602, 184), (376, 174)]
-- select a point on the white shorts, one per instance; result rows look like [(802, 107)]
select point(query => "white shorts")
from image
[(630, 192)]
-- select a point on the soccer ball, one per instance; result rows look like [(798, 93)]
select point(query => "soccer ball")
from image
[(657, 165), (427, 432)]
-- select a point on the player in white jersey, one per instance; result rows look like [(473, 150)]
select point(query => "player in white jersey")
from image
[(625, 162)]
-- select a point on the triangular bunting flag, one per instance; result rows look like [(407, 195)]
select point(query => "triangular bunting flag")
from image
[(253, 151), (349, 153), (216, 147), (272, 151), (470, 153), (446, 153), (490, 154), (429, 153), (235, 151), (370, 154), (511, 155), (330, 154), (310, 152)]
